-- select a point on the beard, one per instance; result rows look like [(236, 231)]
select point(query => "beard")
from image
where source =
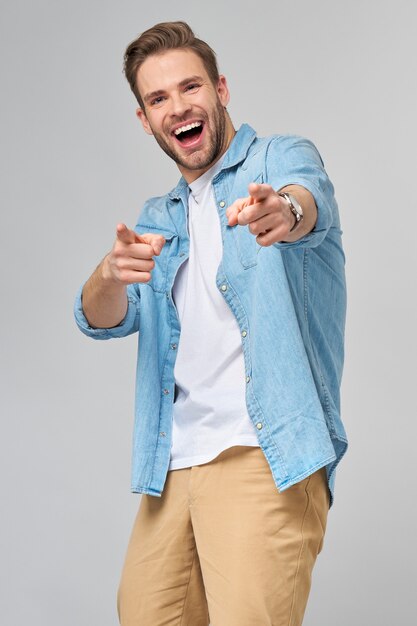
[(216, 138)]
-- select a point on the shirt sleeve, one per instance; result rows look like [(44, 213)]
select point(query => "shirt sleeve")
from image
[(293, 160), (127, 326)]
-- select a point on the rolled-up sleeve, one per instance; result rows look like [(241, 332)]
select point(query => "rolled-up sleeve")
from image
[(293, 160), (129, 325)]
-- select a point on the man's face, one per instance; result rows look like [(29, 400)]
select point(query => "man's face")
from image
[(184, 110)]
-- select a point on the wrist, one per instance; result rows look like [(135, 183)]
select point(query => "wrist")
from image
[(107, 276), (294, 207)]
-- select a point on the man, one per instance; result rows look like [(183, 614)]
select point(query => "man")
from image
[(235, 282)]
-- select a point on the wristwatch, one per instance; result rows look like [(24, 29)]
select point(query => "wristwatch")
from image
[(294, 207)]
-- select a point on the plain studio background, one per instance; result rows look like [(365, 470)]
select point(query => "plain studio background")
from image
[(76, 162)]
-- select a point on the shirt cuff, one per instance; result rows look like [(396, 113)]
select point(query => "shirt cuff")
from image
[(128, 325), (324, 216)]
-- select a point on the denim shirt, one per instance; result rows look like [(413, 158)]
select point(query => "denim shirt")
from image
[(289, 300)]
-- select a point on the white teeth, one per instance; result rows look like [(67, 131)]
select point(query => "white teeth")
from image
[(177, 131)]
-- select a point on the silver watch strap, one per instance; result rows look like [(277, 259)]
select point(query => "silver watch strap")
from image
[(298, 216)]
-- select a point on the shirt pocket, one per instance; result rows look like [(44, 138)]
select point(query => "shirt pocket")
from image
[(247, 246), (159, 274)]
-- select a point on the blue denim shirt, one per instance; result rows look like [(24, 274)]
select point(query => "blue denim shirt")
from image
[(289, 301)]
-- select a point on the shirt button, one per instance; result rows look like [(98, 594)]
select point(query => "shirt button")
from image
[(244, 333), (174, 346), (166, 392), (248, 379), (223, 288), (222, 204), (259, 426), (162, 434), (182, 253)]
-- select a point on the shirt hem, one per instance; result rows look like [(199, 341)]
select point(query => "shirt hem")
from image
[(202, 459)]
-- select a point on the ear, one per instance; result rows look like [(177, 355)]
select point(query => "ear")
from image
[(140, 113), (223, 90)]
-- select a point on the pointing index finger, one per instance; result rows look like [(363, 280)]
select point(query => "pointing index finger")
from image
[(259, 191), (126, 235)]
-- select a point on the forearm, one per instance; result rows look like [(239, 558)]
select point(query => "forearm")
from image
[(104, 300), (309, 207)]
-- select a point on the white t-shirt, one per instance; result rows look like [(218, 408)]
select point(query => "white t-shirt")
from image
[(210, 412)]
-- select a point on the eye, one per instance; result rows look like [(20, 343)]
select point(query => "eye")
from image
[(192, 87), (157, 100)]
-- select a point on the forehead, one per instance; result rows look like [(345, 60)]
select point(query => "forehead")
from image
[(166, 70)]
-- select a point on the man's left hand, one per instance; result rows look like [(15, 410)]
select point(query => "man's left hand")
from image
[(267, 214)]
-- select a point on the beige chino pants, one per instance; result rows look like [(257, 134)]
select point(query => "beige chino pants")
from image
[(223, 546)]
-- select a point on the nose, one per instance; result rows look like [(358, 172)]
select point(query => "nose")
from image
[(179, 105)]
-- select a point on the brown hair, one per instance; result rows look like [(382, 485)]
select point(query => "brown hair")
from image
[(162, 37)]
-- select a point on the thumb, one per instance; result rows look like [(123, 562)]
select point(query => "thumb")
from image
[(156, 241), (234, 209), (232, 213)]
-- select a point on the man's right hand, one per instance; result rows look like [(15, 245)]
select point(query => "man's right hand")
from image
[(104, 296), (130, 260)]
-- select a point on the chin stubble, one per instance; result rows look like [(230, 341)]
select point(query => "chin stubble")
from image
[(215, 146)]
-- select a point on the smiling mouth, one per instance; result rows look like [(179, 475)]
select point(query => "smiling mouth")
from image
[(189, 134)]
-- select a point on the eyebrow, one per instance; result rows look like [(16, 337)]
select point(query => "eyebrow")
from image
[(159, 92)]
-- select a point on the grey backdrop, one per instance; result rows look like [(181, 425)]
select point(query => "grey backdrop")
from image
[(75, 162)]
